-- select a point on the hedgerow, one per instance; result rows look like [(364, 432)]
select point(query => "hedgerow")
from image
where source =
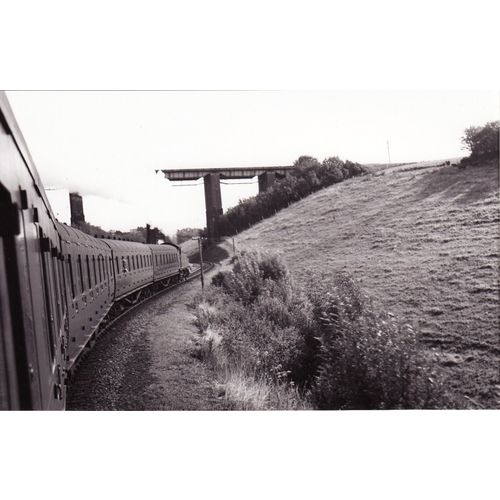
[(308, 175), (328, 342)]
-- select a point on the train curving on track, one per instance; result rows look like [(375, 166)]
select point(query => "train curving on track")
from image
[(59, 287)]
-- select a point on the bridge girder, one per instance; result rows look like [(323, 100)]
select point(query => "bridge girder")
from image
[(212, 177)]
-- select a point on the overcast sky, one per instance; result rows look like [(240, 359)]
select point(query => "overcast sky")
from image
[(107, 145)]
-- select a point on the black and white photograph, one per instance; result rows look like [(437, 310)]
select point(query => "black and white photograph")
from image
[(241, 251), (249, 250)]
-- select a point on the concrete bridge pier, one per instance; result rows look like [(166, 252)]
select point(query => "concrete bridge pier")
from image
[(213, 204), (265, 180)]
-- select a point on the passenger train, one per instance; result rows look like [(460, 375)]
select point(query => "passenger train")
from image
[(58, 285)]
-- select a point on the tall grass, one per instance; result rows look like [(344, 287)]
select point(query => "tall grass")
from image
[(279, 346)]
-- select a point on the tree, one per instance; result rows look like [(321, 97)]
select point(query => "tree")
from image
[(482, 141)]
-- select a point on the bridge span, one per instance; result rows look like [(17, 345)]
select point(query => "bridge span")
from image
[(212, 178)]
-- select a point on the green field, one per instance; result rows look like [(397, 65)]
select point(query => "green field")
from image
[(423, 241)]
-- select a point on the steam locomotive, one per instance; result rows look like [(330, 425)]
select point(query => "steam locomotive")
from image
[(58, 285)]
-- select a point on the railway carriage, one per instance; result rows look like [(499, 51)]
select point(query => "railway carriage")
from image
[(34, 322), (166, 261), (58, 285), (132, 266), (90, 285)]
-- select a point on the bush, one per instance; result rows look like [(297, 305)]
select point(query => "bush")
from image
[(368, 360), (330, 342), (265, 318), (253, 274), (482, 141)]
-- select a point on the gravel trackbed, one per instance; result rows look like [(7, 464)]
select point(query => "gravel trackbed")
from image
[(146, 362)]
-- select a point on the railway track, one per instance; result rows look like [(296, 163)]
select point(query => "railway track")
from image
[(122, 309)]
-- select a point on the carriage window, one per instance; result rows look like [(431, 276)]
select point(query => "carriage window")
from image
[(99, 263), (71, 279), (82, 273), (128, 262), (62, 286), (117, 265), (79, 273), (88, 272), (95, 271)]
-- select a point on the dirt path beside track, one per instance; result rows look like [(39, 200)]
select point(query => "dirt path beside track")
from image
[(146, 362)]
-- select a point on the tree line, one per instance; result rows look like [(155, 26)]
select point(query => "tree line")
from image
[(307, 176)]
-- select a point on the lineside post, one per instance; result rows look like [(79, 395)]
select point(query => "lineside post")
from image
[(200, 250)]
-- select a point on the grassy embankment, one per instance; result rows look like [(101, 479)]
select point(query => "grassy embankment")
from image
[(422, 241), (278, 345)]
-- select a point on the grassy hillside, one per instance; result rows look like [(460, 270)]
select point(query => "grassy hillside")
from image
[(424, 242)]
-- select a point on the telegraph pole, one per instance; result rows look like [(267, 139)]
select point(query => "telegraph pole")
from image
[(388, 152), (200, 250)]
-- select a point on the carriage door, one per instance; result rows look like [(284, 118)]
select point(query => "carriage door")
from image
[(55, 318)]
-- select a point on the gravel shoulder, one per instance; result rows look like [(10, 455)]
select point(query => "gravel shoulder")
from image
[(146, 362)]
